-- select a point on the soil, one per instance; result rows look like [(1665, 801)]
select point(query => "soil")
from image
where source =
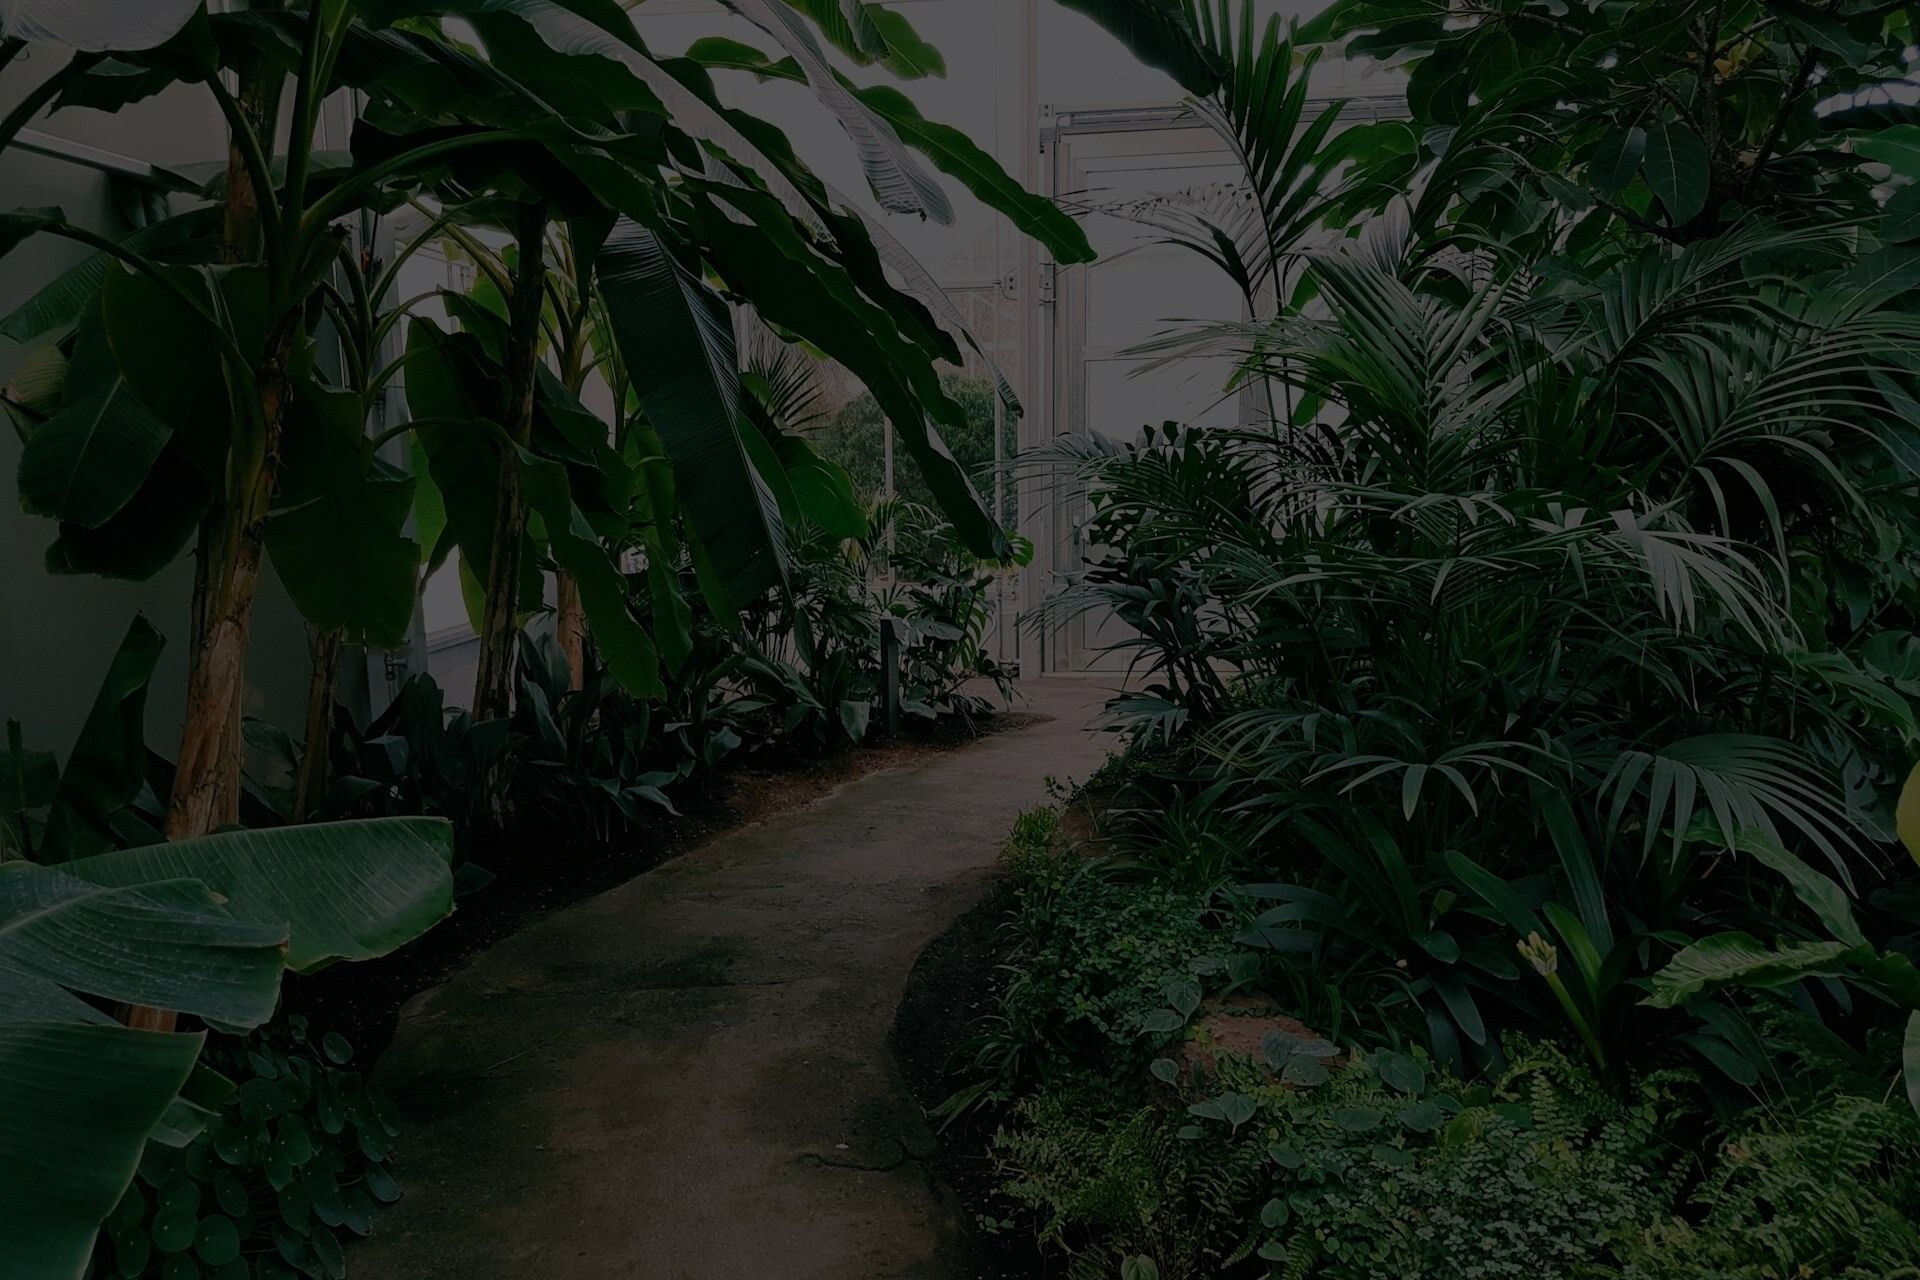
[(957, 983), (955, 986), (362, 1001)]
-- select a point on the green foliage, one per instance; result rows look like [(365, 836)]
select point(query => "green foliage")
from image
[(1501, 655), (291, 1166), (1034, 847), (1674, 119), (1541, 1172), (942, 597), (1826, 1191), (855, 439), (1095, 955)]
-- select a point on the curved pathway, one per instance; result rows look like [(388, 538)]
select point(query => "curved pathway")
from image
[(688, 1078)]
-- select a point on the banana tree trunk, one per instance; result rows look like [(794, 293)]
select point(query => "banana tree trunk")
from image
[(323, 688), (493, 684), (232, 539), (570, 624), (206, 781)]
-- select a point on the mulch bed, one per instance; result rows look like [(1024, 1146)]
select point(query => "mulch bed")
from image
[(536, 877), (957, 982)]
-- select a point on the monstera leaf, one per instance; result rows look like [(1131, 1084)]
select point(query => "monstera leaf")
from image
[(202, 927)]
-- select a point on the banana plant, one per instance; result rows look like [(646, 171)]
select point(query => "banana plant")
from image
[(201, 927), (189, 398)]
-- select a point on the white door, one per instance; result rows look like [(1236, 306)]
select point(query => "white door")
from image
[(1135, 291)]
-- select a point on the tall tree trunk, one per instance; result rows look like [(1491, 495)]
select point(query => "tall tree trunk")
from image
[(323, 688), (493, 684), (206, 780), (570, 626), (206, 786)]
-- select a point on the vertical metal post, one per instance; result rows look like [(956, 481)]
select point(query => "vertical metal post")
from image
[(890, 675)]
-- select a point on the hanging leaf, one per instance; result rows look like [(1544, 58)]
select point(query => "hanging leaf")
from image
[(108, 764), (345, 890), (898, 182), (622, 642), (1677, 169), (338, 541), (678, 336), (95, 26), (85, 463), (1160, 35)]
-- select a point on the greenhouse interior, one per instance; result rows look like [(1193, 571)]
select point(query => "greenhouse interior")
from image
[(960, 639)]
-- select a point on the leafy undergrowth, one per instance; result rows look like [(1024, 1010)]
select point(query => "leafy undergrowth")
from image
[(1096, 1143)]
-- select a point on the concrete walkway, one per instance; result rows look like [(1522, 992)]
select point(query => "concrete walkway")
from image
[(688, 1078)]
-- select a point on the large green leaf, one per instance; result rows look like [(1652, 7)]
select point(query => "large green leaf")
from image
[(86, 462), (950, 150), (1738, 959), (108, 765), (451, 380), (1160, 34), (95, 25), (61, 302), (344, 890), (622, 642), (339, 540), (1678, 170), (147, 534), (799, 290), (168, 943), (597, 41), (80, 1096), (77, 1103), (1616, 161), (677, 337), (868, 33), (1898, 148), (898, 182)]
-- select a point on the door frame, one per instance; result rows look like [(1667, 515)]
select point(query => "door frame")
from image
[(1055, 517)]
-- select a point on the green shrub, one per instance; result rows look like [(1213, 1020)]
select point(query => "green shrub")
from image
[(1830, 1192), (1033, 847), (1382, 1170), (290, 1163), (1095, 957)]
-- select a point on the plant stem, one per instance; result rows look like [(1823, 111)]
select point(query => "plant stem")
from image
[(310, 786), (493, 683)]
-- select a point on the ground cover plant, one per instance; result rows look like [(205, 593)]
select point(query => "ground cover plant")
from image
[(1525, 686)]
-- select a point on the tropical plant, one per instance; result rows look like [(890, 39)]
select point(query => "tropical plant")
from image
[(1674, 120), (289, 1164), (180, 399), (202, 927)]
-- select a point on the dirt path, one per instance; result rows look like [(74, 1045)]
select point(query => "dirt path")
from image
[(688, 1078)]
